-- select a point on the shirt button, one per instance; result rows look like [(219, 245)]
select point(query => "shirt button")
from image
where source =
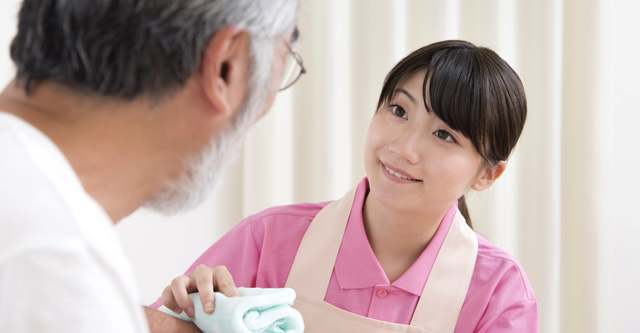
[(382, 293)]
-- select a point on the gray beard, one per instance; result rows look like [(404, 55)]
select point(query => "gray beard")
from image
[(203, 172)]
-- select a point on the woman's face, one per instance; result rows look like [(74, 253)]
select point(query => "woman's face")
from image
[(414, 161)]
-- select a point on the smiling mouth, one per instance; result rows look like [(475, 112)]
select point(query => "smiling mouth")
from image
[(399, 175)]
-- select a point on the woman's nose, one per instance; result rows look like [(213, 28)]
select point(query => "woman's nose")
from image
[(407, 145)]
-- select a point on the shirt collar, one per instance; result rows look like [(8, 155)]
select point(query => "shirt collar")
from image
[(356, 265)]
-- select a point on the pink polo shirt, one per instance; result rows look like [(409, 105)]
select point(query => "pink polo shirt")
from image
[(260, 250)]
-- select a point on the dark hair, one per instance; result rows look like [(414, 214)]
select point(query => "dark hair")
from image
[(472, 90), (127, 48)]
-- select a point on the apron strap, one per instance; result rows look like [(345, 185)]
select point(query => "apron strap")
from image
[(319, 248), (446, 288)]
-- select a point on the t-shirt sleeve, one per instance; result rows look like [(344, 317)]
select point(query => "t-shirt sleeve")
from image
[(237, 251), (60, 287), (500, 297), (520, 317)]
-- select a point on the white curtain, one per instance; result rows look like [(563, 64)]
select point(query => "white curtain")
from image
[(563, 207)]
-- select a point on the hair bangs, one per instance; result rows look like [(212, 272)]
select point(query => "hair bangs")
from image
[(457, 94)]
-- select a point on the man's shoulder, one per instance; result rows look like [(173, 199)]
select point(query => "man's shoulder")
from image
[(22, 147), (34, 219), (35, 206), (29, 205)]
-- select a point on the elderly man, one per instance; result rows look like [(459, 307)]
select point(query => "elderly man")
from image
[(115, 105)]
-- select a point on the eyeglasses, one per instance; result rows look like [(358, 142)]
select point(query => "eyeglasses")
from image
[(293, 69)]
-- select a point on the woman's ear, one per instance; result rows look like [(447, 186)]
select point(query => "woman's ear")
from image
[(224, 69), (488, 176)]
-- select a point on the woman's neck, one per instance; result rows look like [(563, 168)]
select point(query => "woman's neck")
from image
[(398, 238)]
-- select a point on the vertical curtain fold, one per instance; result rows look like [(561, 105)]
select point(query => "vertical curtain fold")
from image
[(586, 131), (538, 158)]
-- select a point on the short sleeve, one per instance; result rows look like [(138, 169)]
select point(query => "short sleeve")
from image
[(521, 317), (500, 297)]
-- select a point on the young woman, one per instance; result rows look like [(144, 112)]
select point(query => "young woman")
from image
[(395, 254)]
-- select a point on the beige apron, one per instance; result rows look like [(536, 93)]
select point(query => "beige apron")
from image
[(442, 297)]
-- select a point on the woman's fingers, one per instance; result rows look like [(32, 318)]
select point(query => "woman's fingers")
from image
[(205, 280), (224, 281), (169, 301), (208, 279), (180, 288)]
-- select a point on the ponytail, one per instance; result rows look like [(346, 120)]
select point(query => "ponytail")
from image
[(462, 207)]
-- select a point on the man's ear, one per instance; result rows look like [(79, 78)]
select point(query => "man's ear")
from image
[(488, 176), (224, 69)]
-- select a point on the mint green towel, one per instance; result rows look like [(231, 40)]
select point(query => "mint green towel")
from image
[(255, 310)]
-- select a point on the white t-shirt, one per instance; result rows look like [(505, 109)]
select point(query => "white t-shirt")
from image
[(62, 268)]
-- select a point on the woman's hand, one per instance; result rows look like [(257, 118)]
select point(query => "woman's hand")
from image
[(203, 280)]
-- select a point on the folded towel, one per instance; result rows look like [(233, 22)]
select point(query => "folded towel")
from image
[(255, 310)]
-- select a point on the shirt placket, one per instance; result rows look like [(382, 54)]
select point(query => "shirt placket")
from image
[(380, 299)]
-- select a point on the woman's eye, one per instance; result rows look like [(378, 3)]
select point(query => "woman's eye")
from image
[(444, 135), (398, 111)]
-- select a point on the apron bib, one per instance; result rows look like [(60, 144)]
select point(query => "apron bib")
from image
[(442, 297)]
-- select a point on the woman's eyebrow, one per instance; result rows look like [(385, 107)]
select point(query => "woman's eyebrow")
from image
[(401, 90)]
